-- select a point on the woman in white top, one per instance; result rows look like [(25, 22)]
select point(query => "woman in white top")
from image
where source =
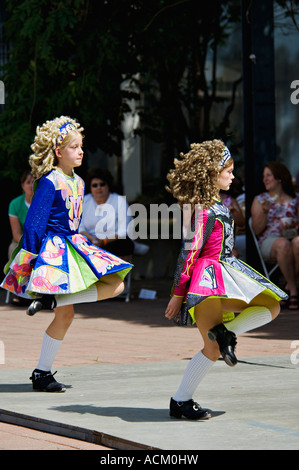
[(106, 215)]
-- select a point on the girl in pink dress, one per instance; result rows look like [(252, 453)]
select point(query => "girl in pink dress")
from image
[(210, 284)]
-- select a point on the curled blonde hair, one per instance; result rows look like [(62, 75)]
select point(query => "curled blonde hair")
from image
[(44, 159), (193, 179)]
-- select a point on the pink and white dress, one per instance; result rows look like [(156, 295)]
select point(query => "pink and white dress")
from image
[(206, 267)]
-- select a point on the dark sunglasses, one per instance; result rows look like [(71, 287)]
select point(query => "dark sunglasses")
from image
[(101, 185)]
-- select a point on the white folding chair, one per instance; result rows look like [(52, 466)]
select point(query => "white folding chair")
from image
[(127, 291), (262, 260), (139, 249), (7, 298), (126, 294)]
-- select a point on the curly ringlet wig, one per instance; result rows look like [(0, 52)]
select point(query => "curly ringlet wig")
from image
[(193, 179), (44, 159)]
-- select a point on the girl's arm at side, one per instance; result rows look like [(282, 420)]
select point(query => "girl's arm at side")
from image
[(190, 252), (174, 306)]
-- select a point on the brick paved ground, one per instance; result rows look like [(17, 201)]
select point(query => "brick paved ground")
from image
[(119, 332)]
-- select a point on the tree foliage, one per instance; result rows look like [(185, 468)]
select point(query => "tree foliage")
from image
[(70, 57)]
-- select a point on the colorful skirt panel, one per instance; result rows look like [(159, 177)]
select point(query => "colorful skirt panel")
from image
[(64, 265), (231, 279)]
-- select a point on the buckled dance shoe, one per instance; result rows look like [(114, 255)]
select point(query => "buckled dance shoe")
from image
[(46, 302), (43, 381), (227, 341), (188, 409)]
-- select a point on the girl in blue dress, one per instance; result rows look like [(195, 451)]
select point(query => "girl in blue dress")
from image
[(54, 264)]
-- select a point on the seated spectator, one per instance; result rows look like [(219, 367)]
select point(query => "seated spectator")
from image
[(239, 219), (18, 208), (275, 219), (106, 215), (17, 212)]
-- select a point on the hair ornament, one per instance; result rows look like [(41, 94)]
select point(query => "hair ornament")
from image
[(63, 132), (225, 156)]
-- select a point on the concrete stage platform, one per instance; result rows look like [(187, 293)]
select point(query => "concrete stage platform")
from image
[(125, 406), (122, 362)]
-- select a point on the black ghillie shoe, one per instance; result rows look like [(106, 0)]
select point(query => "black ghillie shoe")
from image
[(46, 302), (43, 381), (227, 341), (189, 409)]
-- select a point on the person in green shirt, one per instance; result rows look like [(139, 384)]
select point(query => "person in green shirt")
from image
[(18, 208)]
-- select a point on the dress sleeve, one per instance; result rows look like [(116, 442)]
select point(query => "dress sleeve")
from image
[(86, 211), (202, 226), (38, 216)]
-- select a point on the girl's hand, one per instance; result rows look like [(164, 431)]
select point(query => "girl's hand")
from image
[(99, 242), (173, 308)]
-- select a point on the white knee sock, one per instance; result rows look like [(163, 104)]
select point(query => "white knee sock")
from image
[(194, 373), (88, 295), (50, 347), (249, 319)]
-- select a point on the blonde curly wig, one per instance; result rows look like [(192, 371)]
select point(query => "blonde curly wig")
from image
[(44, 159), (192, 181)]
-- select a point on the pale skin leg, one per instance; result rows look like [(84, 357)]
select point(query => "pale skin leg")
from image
[(209, 314), (286, 253), (107, 287)]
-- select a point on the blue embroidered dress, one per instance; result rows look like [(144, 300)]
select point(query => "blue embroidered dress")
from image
[(53, 257)]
